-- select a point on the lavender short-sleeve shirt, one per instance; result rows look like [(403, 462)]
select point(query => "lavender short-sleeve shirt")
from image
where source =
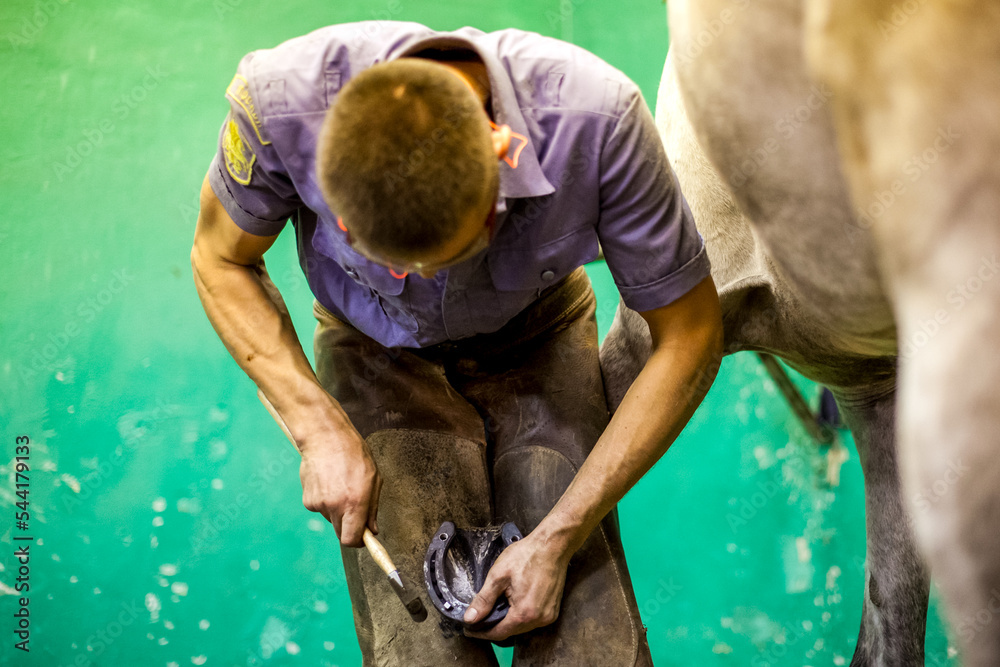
[(586, 165)]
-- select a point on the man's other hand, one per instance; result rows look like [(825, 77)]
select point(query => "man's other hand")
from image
[(531, 574), (341, 482)]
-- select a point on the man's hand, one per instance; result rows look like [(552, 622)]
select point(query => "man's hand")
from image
[(531, 573), (339, 478), (341, 482)]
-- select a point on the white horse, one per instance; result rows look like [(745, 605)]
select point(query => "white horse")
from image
[(844, 288)]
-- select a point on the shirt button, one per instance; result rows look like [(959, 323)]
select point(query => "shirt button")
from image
[(548, 274)]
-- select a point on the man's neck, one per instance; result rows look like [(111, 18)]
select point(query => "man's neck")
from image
[(475, 75)]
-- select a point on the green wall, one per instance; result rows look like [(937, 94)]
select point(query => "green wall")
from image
[(165, 506)]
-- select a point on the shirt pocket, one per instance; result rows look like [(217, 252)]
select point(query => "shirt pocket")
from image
[(385, 288), (520, 272)]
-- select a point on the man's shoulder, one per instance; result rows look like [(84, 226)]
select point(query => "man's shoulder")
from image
[(302, 75), (551, 73)]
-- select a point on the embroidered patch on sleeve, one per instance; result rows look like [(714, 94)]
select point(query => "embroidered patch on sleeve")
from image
[(239, 156), (239, 92)]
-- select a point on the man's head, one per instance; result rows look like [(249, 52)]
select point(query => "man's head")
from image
[(408, 160)]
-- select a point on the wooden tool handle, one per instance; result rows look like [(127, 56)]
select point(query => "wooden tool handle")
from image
[(378, 552), (375, 547)]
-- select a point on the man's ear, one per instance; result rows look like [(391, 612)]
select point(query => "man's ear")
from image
[(501, 141)]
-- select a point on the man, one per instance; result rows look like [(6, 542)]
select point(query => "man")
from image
[(446, 189)]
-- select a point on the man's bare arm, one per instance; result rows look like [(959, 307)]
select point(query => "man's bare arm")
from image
[(687, 348), (339, 478)]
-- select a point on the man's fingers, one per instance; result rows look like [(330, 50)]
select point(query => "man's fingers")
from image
[(352, 528), (482, 604), (373, 506)]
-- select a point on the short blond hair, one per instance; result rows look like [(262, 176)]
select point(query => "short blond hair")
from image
[(405, 155)]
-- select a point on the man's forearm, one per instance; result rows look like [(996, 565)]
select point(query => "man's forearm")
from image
[(250, 317), (652, 414)]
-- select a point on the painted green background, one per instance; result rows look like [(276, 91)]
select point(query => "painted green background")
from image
[(165, 504)]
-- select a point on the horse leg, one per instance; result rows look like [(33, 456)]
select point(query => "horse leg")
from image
[(896, 583)]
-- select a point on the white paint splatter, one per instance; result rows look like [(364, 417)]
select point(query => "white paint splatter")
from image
[(802, 547), (153, 605), (198, 659), (316, 525), (162, 641), (831, 577), (188, 505), (292, 648), (70, 481), (217, 484), (764, 456), (321, 607), (97, 591), (6, 590), (168, 569), (157, 521), (203, 624), (73, 579), (836, 456), (274, 634), (255, 565), (329, 646), (179, 588), (722, 648), (217, 450), (56, 558), (159, 504)]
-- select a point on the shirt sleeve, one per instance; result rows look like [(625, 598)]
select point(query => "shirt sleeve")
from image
[(247, 174), (646, 229)]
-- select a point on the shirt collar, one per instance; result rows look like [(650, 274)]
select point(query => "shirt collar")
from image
[(527, 179)]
